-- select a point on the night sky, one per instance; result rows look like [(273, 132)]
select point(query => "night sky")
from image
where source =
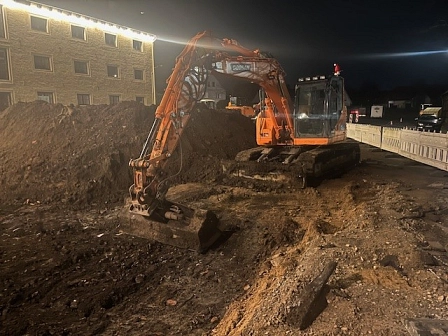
[(376, 42)]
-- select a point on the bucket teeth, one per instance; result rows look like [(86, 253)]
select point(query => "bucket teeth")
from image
[(206, 223)]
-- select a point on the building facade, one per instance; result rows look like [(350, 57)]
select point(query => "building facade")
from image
[(59, 56), (214, 91)]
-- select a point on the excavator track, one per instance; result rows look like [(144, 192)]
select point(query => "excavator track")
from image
[(294, 167), (329, 160)]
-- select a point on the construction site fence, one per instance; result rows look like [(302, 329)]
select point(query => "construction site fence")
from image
[(430, 148)]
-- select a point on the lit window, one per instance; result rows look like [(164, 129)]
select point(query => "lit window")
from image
[(114, 99), (112, 71), (137, 45), (83, 99), (4, 64), (81, 67), (138, 74), (110, 39), (42, 62), (140, 100), (78, 32), (46, 96), (39, 24)]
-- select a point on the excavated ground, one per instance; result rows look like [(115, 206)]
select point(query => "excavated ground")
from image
[(67, 268)]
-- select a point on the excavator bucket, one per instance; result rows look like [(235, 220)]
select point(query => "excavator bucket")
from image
[(197, 230)]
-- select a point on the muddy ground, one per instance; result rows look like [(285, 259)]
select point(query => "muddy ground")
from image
[(68, 268)]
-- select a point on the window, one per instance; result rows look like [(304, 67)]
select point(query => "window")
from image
[(42, 62), (4, 65), (5, 100), (2, 23), (137, 45), (110, 39), (83, 99), (138, 74), (114, 99), (81, 67), (112, 71), (46, 96), (78, 32), (39, 24), (140, 100)]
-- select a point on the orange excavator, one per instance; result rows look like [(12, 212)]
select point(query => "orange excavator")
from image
[(236, 104), (303, 138)]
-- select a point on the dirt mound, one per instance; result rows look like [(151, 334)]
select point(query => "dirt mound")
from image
[(79, 155)]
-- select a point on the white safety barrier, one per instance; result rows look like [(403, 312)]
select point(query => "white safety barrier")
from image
[(354, 131), (426, 147), (368, 134), (391, 139)]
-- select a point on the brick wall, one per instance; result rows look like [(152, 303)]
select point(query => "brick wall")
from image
[(23, 43)]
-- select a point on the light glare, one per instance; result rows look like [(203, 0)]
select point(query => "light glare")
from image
[(402, 54)]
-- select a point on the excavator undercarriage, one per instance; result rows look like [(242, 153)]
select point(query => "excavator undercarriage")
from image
[(294, 167)]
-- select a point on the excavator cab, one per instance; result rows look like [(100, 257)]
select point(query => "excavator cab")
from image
[(318, 107)]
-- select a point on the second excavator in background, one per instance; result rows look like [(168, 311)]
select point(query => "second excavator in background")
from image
[(300, 138), (238, 104)]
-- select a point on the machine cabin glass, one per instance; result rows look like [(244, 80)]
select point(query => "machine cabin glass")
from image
[(318, 106)]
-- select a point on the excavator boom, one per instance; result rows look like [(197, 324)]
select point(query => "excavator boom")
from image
[(152, 215)]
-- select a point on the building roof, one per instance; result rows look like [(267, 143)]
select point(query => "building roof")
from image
[(430, 110), (77, 18)]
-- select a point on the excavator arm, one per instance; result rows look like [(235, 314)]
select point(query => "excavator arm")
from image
[(162, 219), (186, 86)]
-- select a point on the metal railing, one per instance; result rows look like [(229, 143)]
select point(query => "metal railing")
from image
[(426, 147)]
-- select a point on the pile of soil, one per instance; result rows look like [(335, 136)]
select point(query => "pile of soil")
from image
[(78, 156)]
